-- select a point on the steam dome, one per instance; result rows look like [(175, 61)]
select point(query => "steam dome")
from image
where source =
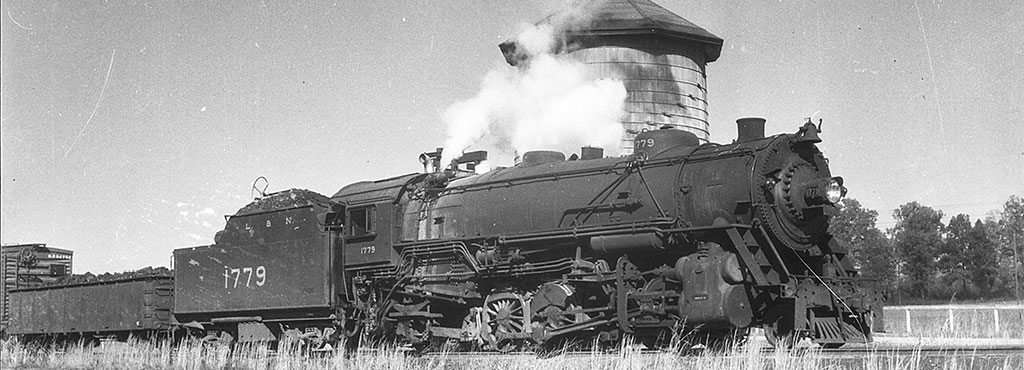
[(659, 56)]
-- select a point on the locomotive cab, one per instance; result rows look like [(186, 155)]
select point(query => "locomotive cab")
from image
[(373, 212)]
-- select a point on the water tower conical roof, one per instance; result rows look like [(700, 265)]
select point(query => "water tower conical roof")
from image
[(630, 17)]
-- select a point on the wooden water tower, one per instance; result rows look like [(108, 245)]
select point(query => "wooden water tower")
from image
[(658, 55)]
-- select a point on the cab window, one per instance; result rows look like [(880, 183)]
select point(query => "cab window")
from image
[(360, 221)]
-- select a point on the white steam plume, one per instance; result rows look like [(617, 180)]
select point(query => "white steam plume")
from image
[(549, 102)]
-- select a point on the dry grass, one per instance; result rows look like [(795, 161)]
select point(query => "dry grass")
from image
[(926, 322), (193, 355)]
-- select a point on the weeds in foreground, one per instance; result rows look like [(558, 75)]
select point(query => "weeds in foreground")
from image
[(188, 355)]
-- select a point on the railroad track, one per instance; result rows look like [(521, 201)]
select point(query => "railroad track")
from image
[(1013, 349), (855, 352)]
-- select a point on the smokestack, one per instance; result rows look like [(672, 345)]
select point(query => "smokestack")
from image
[(749, 128)]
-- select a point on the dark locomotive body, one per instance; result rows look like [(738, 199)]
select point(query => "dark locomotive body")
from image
[(680, 238), (273, 272), (710, 238)]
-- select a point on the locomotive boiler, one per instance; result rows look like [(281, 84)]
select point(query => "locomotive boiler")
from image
[(705, 240), (678, 239)]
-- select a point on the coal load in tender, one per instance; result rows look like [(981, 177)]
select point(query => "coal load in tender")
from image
[(283, 200)]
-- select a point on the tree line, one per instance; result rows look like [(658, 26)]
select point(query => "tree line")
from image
[(922, 259)]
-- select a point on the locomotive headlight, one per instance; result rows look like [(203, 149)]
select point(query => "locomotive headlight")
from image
[(835, 191)]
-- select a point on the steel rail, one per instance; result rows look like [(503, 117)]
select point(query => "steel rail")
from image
[(857, 352)]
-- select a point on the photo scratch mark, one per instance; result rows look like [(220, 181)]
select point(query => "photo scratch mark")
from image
[(931, 68), (98, 101), (16, 22)]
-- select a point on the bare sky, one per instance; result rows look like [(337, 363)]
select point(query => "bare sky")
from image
[(130, 128)]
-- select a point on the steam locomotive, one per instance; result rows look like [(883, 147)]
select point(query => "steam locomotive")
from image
[(681, 239)]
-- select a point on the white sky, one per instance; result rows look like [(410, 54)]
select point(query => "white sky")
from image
[(920, 100)]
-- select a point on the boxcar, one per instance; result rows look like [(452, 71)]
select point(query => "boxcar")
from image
[(29, 265)]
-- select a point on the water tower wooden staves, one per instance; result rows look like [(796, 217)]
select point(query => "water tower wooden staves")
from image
[(659, 56)]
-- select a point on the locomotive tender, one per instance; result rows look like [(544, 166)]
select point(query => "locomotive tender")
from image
[(704, 240)]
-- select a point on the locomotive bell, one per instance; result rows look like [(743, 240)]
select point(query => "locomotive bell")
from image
[(808, 133)]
